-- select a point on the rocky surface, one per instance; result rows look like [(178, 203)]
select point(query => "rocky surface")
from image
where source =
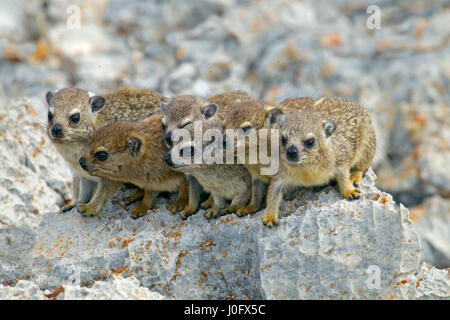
[(275, 49), (116, 289)]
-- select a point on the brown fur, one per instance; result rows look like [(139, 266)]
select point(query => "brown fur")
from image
[(123, 104), (344, 155), (144, 167)]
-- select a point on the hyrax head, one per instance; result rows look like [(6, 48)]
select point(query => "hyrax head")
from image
[(182, 111), (71, 114), (304, 137), (114, 151), (248, 117), (197, 150)]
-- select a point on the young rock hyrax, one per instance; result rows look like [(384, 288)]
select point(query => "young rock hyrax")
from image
[(333, 139), (223, 181), (73, 116), (180, 112), (251, 116), (133, 152)]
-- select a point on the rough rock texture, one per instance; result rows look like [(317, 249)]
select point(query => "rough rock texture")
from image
[(116, 289), (324, 248), (434, 230)]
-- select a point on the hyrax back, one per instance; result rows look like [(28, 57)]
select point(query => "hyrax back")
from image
[(332, 139), (251, 116), (73, 116), (182, 111), (223, 181), (134, 152)]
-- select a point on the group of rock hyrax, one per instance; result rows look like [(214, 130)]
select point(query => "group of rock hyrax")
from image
[(127, 136)]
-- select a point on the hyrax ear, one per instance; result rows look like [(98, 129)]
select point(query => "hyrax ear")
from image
[(329, 127), (49, 96), (209, 110), (96, 103), (134, 145), (163, 105), (272, 114)]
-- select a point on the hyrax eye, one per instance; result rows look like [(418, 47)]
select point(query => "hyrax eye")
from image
[(101, 156), (283, 140), (163, 126), (50, 116), (309, 143), (75, 118), (246, 129)]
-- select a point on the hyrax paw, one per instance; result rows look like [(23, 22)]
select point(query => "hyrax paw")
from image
[(86, 210), (211, 213), (227, 210), (178, 205), (270, 220), (133, 198), (187, 212), (139, 211), (206, 204), (356, 178), (245, 210), (353, 194), (68, 207)]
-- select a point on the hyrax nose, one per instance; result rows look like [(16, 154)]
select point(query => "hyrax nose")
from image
[(82, 162), (292, 153), (168, 138), (57, 130), (168, 159)]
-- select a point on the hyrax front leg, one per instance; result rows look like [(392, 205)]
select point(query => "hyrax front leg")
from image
[(194, 198), (146, 203), (105, 190), (83, 190), (274, 196), (218, 204), (348, 190), (183, 197), (208, 203), (138, 195), (258, 192)]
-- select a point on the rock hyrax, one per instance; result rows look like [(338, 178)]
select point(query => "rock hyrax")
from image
[(73, 116), (223, 181), (133, 152), (333, 139)]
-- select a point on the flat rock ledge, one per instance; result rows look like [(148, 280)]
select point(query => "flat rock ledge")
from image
[(325, 247)]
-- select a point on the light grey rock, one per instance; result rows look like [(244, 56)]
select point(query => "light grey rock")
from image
[(34, 178), (432, 283), (116, 289), (23, 290), (433, 229)]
